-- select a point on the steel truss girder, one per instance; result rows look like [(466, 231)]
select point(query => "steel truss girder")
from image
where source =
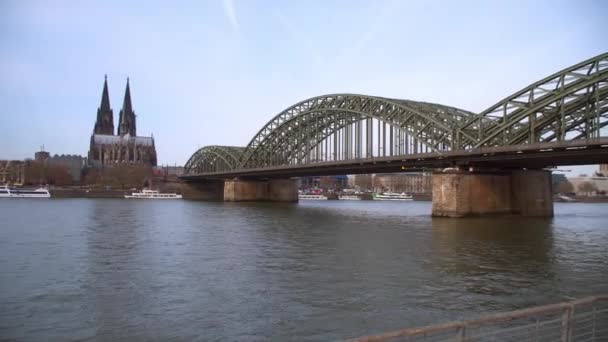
[(568, 105), (520, 112), (214, 159), (569, 117), (407, 115)]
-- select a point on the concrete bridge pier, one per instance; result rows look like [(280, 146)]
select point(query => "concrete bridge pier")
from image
[(208, 190), (273, 190), (485, 192)]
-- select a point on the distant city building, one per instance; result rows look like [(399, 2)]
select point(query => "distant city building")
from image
[(333, 182), (338, 182), (72, 163), (350, 181), (417, 183), (168, 170), (12, 172), (364, 182), (589, 186), (311, 182), (557, 178), (107, 149), (174, 170), (603, 170), (41, 156)]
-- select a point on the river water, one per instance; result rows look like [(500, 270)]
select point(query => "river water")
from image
[(105, 269)]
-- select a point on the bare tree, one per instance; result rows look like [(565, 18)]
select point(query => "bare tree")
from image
[(58, 175), (34, 173), (120, 176), (92, 177), (587, 188), (126, 176), (564, 187)]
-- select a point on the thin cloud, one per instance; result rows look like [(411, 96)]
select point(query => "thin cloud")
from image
[(231, 14), (382, 16), (299, 36)]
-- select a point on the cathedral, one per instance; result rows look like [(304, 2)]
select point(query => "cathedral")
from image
[(124, 148)]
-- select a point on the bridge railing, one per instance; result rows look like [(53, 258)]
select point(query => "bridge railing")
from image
[(584, 320)]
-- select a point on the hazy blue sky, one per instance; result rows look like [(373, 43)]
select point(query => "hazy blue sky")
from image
[(214, 72)]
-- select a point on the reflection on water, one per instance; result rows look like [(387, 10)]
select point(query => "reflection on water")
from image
[(111, 253), (494, 259), (146, 270), (478, 246)]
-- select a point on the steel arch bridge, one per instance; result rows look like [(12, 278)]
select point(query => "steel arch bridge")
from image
[(569, 106), (214, 159)]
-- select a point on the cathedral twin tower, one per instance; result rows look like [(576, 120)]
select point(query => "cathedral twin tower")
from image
[(125, 148), (105, 115)]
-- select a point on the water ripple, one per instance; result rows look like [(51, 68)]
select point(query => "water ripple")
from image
[(139, 270)]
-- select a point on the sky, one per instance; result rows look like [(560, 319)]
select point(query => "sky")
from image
[(214, 72)]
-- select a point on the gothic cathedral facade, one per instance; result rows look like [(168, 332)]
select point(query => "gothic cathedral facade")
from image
[(124, 148)]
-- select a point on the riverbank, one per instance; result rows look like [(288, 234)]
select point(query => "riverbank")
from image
[(582, 199), (76, 192), (87, 193)]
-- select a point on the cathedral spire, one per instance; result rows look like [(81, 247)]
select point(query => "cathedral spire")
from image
[(126, 105), (127, 115), (105, 117), (105, 97)]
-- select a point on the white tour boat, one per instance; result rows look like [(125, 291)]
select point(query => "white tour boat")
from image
[(349, 197), (153, 194), (392, 196), (312, 197), (6, 192)]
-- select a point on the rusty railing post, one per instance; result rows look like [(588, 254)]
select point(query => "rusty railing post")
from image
[(567, 323), (462, 333)]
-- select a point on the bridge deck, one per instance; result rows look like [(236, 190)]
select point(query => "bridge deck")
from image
[(533, 156)]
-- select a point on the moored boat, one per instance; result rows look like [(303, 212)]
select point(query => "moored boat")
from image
[(392, 196), (312, 197), (6, 192), (153, 194), (349, 198)]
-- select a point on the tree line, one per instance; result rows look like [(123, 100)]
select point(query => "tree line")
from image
[(119, 177)]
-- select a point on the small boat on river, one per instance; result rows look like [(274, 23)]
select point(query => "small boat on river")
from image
[(312, 197), (392, 196), (153, 194), (6, 192), (349, 198)]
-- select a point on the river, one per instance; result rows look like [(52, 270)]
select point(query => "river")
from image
[(107, 269)]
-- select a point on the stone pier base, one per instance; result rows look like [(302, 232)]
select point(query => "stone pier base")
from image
[(209, 190), (274, 190), (283, 190), (460, 193)]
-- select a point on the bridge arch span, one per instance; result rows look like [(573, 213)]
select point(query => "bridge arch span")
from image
[(214, 159), (296, 135), (567, 105)]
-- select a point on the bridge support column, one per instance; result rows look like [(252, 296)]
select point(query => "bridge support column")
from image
[(238, 190), (209, 190), (274, 190), (283, 190), (532, 193), (460, 193)]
